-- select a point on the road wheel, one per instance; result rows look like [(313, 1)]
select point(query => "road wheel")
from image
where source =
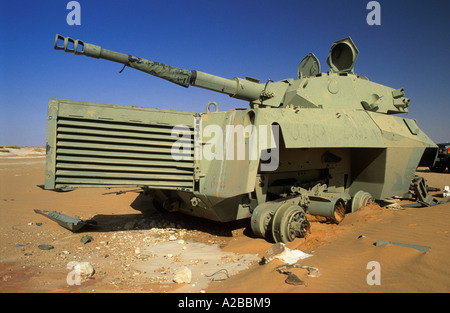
[(289, 221)]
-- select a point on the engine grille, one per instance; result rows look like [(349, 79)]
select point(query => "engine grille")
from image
[(104, 153)]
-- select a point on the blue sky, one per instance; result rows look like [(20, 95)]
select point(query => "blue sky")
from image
[(261, 39)]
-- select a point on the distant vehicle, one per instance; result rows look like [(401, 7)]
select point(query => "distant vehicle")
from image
[(443, 158)]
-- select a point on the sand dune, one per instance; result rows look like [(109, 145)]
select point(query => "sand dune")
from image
[(342, 252), (343, 261)]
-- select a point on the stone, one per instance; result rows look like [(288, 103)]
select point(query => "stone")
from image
[(45, 247), (86, 269), (273, 251), (183, 275)]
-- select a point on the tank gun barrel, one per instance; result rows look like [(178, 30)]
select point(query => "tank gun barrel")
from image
[(239, 88)]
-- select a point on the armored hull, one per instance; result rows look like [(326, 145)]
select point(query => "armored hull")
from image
[(324, 144)]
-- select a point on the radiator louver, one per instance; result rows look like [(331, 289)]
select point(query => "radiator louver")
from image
[(97, 153)]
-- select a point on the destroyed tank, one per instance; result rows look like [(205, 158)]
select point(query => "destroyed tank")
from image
[(323, 144)]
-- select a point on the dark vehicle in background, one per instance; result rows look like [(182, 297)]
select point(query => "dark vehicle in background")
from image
[(443, 158)]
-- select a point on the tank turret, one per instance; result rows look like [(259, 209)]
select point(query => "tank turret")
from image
[(344, 89)]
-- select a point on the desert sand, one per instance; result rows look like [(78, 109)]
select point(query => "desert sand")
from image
[(125, 242)]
